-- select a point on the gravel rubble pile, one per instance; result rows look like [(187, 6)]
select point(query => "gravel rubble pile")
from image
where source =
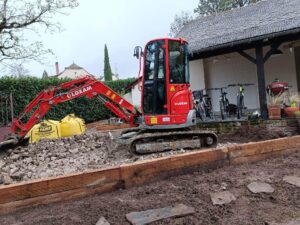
[(49, 158)]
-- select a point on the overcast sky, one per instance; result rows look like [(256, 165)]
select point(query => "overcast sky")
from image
[(120, 24)]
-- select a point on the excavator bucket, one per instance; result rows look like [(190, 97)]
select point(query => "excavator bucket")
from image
[(5, 133)]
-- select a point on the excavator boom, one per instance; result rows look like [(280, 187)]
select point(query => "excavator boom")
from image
[(86, 86)]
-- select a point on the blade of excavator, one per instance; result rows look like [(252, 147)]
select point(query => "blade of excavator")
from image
[(6, 138)]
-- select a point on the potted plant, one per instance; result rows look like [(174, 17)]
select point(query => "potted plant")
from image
[(293, 106), (274, 107)]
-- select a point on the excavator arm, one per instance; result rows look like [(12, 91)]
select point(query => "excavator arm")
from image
[(86, 86)]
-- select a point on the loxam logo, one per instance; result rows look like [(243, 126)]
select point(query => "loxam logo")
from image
[(45, 128), (79, 92), (180, 103)]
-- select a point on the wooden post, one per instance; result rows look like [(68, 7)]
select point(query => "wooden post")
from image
[(11, 107), (261, 82)]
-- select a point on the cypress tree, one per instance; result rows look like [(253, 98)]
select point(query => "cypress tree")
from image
[(45, 75), (107, 68)]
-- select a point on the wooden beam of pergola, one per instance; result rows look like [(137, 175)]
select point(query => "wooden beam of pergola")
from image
[(259, 61)]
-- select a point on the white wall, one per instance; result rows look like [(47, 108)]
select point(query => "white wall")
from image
[(197, 79), (73, 74), (232, 68), (220, 72), (128, 97), (134, 97), (282, 67)]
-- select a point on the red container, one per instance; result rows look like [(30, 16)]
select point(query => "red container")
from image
[(290, 111), (277, 88)]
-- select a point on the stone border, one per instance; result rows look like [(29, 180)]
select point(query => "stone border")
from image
[(49, 190)]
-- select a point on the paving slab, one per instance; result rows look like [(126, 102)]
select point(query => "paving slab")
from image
[(260, 187), (102, 221), (292, 222), (222, 198), (292, 180), (149, 216)]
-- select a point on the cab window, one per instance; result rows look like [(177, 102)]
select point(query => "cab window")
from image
[(178, 63)]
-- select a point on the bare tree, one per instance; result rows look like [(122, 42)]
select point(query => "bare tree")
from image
[(208, 7), (179, 21), (17, 70), (18, 17)]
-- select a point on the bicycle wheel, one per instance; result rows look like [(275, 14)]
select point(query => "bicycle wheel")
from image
[(239, 107), (222, 110), (202, 111), (209, 109), (226, 108)]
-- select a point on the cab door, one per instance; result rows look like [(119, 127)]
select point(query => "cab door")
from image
[(154, 99)]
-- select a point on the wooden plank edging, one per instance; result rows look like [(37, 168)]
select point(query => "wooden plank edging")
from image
[(49, 190)]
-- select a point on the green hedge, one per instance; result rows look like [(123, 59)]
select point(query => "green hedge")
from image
[(25, 89)]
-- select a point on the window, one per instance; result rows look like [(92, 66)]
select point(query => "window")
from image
[(155, 52), (178, 63)]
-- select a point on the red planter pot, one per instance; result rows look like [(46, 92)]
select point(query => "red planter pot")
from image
[(274, 112), (290, 111)]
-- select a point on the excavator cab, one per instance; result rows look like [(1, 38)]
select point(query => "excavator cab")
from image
[(166, 97)]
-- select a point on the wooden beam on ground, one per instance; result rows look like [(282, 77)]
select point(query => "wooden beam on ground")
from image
[(157, 169)]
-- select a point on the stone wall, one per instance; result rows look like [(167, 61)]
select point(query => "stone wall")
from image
[(288, 127)]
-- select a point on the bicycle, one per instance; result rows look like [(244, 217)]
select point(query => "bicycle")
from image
[(223, 102), (204, 106), (240, 98)]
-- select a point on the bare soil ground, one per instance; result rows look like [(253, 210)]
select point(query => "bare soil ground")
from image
[(193, 190), (92, 150), (103, 125)]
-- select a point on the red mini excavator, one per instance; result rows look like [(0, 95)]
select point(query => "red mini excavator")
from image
[(167, 112)]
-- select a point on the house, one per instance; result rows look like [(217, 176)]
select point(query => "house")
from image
[(133, 93), (242, 46), (73, 71)]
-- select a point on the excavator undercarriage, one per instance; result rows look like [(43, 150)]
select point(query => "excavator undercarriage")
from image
[(155, 141)]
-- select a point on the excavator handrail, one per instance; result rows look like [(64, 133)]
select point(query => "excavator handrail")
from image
[(85, 86)]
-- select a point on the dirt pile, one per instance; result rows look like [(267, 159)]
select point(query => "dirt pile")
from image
[(50, 158), (250, 134), (53, 157)]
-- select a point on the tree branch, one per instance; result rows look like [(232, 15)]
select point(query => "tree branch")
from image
[(19, 16)]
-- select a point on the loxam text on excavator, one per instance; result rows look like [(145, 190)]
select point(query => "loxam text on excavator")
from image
[(166, 116)]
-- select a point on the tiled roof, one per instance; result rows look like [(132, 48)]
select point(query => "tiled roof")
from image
[(265, 19), (73, 66)]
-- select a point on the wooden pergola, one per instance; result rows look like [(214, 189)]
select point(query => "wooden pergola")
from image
[(259, 60)]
